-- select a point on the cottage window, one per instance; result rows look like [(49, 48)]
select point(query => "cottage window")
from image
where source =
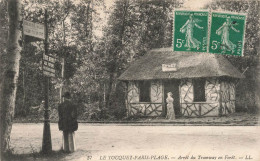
[(144, 87), (199, 90)]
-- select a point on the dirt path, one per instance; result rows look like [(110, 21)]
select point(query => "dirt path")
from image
[(114, 141)]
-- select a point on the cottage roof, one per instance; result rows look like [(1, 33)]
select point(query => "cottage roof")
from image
[(189, 65)]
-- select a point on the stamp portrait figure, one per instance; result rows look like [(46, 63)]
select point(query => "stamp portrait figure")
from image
[(188, 29), (224, 32)]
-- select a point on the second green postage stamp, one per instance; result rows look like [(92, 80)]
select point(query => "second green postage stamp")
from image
[(227, 33)]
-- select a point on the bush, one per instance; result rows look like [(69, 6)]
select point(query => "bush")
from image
[(89, 111)]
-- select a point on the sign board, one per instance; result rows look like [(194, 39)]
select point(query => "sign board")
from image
[(227, 33), (48, 66), (169, 67), (190, 31), (48, 69), (48, 74), (33, 29), (49, 58)]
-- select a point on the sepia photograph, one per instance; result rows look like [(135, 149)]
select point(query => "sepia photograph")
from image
[(129, 80)]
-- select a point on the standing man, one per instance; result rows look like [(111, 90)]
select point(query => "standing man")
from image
[(68, 122)]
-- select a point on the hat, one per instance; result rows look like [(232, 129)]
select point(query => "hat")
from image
[(66, 95)]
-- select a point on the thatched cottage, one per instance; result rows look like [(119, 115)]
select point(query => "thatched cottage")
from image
[(202, 84)]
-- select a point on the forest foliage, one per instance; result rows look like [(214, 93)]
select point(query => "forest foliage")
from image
[(98, 41)]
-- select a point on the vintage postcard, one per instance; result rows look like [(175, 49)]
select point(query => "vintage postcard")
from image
[(130, 80)]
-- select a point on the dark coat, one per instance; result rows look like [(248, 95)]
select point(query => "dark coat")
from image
[(67, 116)]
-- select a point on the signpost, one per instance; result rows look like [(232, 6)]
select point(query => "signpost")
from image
[(40, 31), (227, 33), (48, 66), (46, 141), (190, 31), (33, 29)]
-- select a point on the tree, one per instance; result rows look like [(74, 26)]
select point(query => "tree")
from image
[(3, 40), (119, 18), (133, 28), (10, 77), (30, 87), (86, 83), (246, 90)]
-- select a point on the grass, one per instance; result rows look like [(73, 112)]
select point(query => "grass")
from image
[(34, 156)]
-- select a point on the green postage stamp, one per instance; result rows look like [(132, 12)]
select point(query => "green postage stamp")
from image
[(227, 33), (190, 31)]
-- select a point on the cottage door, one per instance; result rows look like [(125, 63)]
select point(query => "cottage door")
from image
[(172, 86)]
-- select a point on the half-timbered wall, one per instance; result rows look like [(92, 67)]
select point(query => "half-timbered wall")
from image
[(153, 108), (208, 108), (133, 92), (227, 92), (220, 99), (156, 92), (186, 91)]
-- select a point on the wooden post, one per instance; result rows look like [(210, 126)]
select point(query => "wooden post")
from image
[(104, 95), (199, 109), (62, 63), (220, 100), (46, 142), (62, 78)]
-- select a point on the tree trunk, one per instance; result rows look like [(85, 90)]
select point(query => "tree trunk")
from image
[(114, 72), (257, 73), (62, 61), (10, 77), (24, 92), (109, 91)]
